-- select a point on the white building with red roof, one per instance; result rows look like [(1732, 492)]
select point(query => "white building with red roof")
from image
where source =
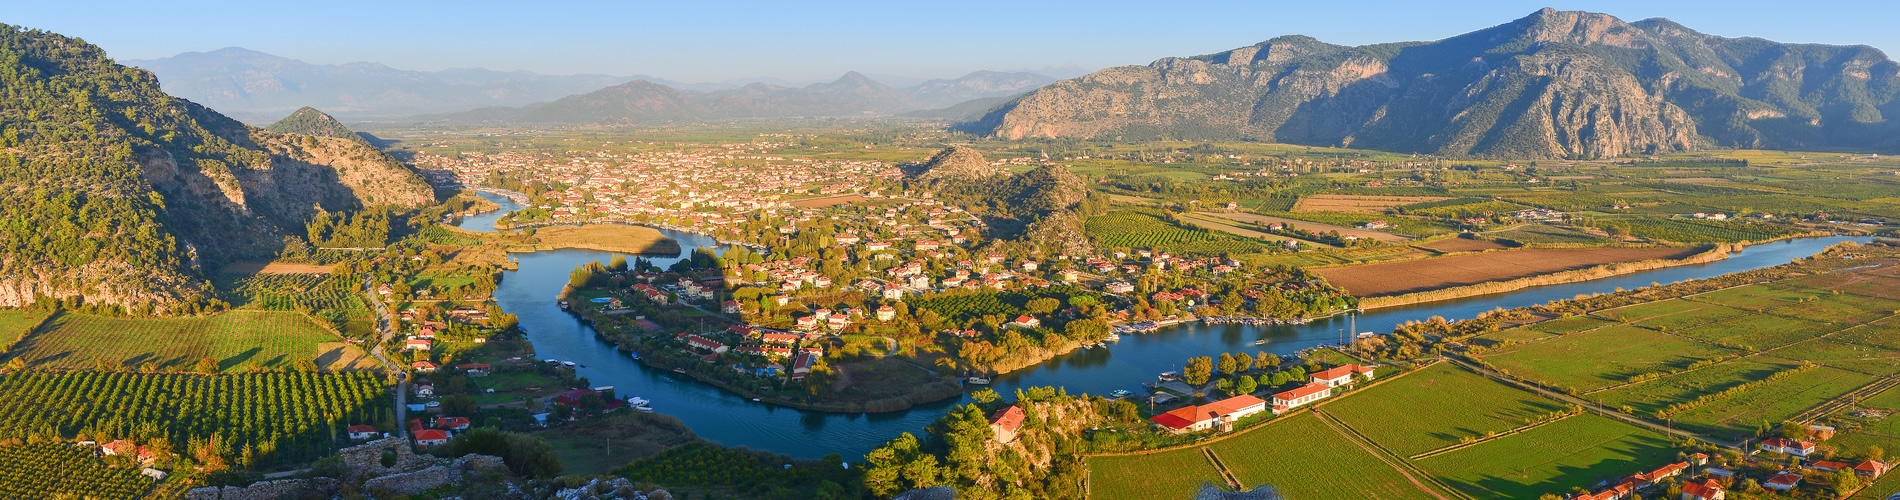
[(1706, 489), (431, 437), (361, 432), (1295, 398), (698, 342), (1341, 375), (1219, 414), (1026, 321), (1006, 422), (1782, 481), (1787, 446)]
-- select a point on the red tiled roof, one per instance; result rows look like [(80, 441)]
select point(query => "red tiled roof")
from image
[(431, 435), (362, 428), (1179, 418), (1232, 405), (1303, 391), (1785, 478), (1706, 488), (1009, 419)]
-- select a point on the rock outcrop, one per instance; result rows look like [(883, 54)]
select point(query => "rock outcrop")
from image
[(954, 163), (1553, 84)]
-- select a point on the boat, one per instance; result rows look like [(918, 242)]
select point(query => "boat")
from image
[(568, 363), (977, 381), (1168, 376), (679, 370), (755, 400), (647, 409), (1114, 337), (637, 401), (1260, 342), (1119, 393)]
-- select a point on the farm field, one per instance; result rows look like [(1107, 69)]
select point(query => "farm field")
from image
[(1144, 229), (1357, 204), (1449, 245), (1263, 220), (1135, 477), (250, 268), (1601, 358), (1395, 278), (1545, 234), (1759, 331), (1442, 404), (237, 340), (1648, 397), (1572, 324), (16, 323), (1578, 451), (1305, 458), (1519, 334), (61, 470), (1205, 221), (1772, 402), (606, 238)]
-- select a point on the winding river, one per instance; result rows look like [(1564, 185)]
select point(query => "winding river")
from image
[(529, 291)]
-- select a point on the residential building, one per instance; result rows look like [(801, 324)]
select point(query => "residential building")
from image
[(362, 432), (1006, 422), (1787, 446), (431, 437), (1782, 481), (1341, 375), (1217, 415), (1295, 398), (1706, 489)]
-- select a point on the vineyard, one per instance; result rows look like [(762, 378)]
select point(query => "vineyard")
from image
[(276, 414), (1399, 225), (962, 307), (1684, 231), (65, 471), (298, 292), (1141, 229), (1460, 211), (236, 340), (16, 323)]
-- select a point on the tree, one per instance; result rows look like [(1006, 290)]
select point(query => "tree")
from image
[(1226, 386), (523, 454), (458, 404), (898, 466), (1845, 481), (1793, 430), (1243, 362), (1199, 369), (1873, 453), (206, 366), (1245, 385), (1279, 379), (1227, 364), (985, 396), (1043, 305), (1267, 360)]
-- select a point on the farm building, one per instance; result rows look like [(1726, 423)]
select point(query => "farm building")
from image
[(1219, 414), (1305, 394), (1341, 375)]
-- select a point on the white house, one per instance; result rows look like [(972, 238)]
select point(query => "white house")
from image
[(1341, 375), (1305, 394), (1787, 446)]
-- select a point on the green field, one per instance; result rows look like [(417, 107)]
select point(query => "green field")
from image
[(1753, 298), (1572, 324), (1603, 357), (16, 323), (1771, 403), (1545, 234), (1519, 334), (60, 470), (1576, 452), (1648, 397), (1688, 315), (1305, 458), (237, 340), (1838, 353), (1442, 404), (1759, 331), (1135, 477), (1145, 229)]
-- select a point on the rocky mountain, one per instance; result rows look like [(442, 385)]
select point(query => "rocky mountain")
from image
[(119, 194), (309, 121), (1552, 84), (257, 87), (1044, 207), (650, 103)]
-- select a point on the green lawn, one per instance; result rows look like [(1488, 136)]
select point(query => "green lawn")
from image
[(1136, 477), (1576, 452), (1440, 405), (1603, 357), (1305, 458), (237, 340)]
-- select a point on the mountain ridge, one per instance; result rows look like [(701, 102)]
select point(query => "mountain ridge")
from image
[(1551, 84)]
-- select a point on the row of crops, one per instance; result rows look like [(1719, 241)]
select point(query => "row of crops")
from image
[(1698, 231), (58, 470), (301, 414), (294, 292), (1143, 229), (961, 307)]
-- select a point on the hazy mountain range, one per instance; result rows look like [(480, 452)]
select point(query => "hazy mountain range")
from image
[(260, 88), (1553, 84)]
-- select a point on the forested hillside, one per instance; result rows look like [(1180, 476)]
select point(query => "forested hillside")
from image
[(118, 194)]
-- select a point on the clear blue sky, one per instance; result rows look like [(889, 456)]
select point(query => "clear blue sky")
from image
[(697, 40)]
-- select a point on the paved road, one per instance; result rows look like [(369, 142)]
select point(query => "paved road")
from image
[(386, 328)]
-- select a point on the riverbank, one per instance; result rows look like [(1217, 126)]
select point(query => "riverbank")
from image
[(1711, 254), (636, 240)]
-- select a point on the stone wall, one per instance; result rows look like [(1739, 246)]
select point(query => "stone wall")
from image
[(366, 460), (267, 490), (410, 483)]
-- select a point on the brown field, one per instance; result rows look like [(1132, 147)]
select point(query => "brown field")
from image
[(1311, 226), (1696, 180), (1372, 280), (829, 201), (1449, 245), (249, 268), (340, 356), (1355, 204), (606, 238)]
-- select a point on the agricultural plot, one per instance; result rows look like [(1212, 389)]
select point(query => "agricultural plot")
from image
[(1681, 231), (1843, 308), (1305, 458), (16, 323), (1759, 331), (1752, 298), (1396, 278), (1136, 477), (1601, 358), (1844, 355), (1672, 314), (1138, 229), (60, 470), (961, 307), (1512, 335), (1576, 452), (1358, 204), (1464, 210), (1545, 234), (1772, 402), (1450, 245), (293, 292), (1883, 334), (1571, 324), (1441, 405), (237, 340), (1648, 397)]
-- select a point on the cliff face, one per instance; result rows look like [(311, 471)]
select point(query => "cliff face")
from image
[(1554, 84), (120, 194)]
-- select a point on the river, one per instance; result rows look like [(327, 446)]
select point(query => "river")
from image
[(529, 291)]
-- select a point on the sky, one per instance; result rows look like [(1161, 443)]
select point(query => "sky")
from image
[(711, 40)]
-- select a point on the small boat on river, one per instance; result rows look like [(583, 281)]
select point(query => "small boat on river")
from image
[(977, 381), (1260, 342)]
